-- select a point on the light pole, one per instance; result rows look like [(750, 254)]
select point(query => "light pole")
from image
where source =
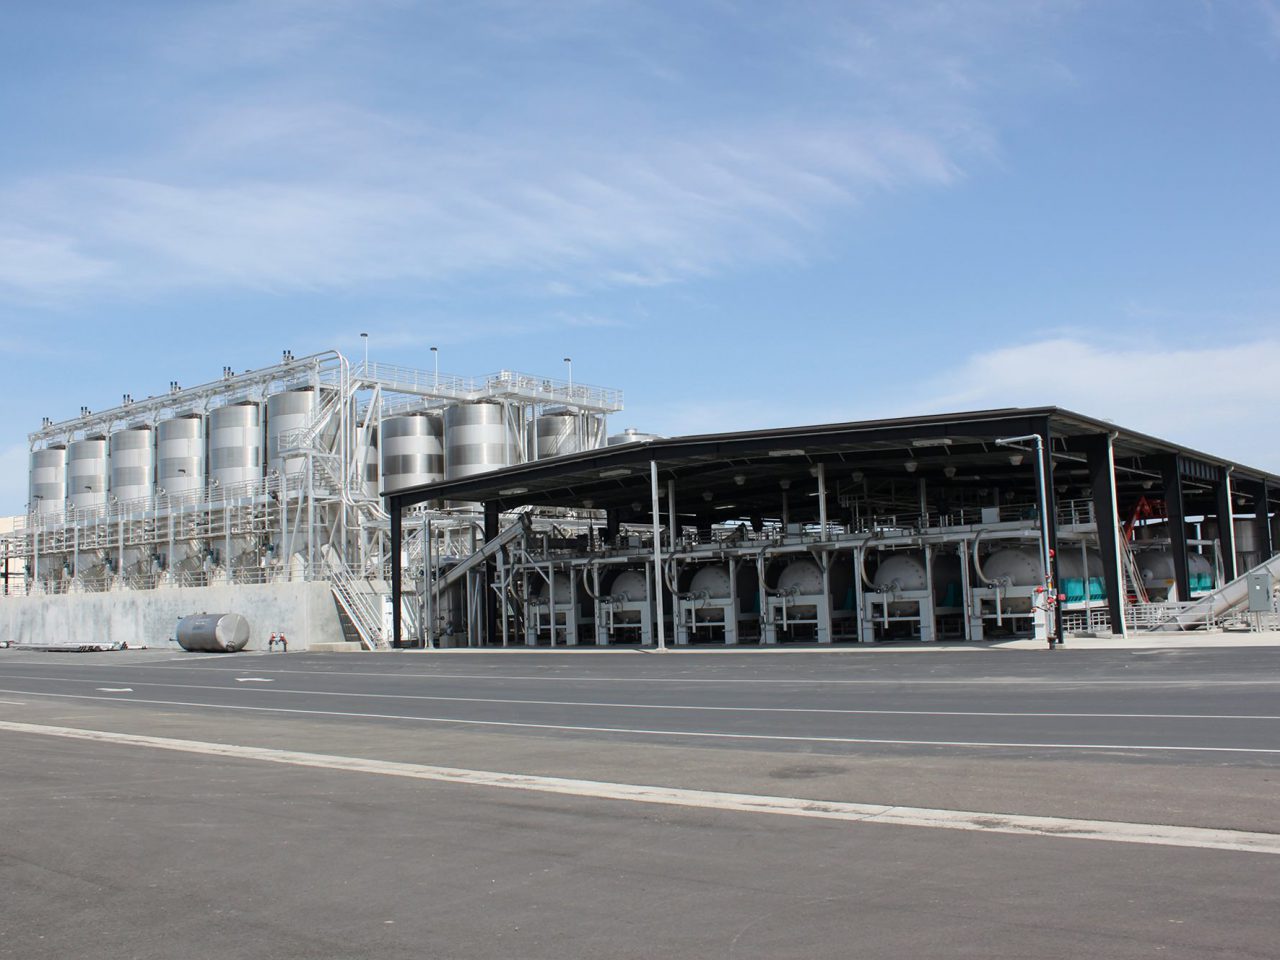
[(365, 338), (435, 359), (569, 362), (1042, 506)]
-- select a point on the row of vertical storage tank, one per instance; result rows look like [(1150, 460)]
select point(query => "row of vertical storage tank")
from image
[(427, 446), (243, 442), (234, 444)]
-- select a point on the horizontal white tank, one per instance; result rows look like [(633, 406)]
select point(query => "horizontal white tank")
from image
[(48, 480), (563, 589), (711, 582), (629, 585), (1157, 570), (180, 454), (802, 577)]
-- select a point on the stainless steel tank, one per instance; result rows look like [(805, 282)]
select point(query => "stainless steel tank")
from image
[(562, 431), (235, 444), (87, 473), (553, 434), (288, 412), (631, 435), (365, 456), (133, 463), (48, 480), (180, 456), (213, 632), (477, 439), (412, 450)]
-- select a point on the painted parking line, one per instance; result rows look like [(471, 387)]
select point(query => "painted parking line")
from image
[(695, 734), (1058, 828)]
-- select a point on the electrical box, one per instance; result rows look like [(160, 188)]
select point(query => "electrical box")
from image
[(990, 514), (1260, 592)]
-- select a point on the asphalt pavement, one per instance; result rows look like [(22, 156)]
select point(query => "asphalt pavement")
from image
[(123, 849)]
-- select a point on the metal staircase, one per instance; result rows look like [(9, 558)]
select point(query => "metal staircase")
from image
[(360, 602)]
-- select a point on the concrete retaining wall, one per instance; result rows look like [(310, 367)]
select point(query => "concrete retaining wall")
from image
[(304, 611)]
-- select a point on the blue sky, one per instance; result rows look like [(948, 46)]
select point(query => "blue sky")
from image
[(742, 214)]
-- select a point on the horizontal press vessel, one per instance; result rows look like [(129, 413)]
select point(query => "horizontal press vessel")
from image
[(213, 632)]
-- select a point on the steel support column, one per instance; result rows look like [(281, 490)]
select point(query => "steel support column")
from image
[(397, 587), (490, 578), (1171, 474), (1102, 481), (1226, 525)]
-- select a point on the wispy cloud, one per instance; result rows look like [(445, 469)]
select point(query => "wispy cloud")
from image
[(313, 177), (1214, 398)]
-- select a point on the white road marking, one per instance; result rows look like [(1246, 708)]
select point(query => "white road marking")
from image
[(15, 703), (907, 682), (1059, 828), (682, 706), (778, 738), (115, 689)]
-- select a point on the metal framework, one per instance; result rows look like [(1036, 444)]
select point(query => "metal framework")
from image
[(318, 519)]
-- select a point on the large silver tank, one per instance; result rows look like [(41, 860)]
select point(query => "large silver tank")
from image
[(288, 411), (87, 473), (133, 463), (560, 431), (477, 439), (213, 632), (235, 444), (412, 450), (365, 455), (180, 457), (631, 435), (48, 480)]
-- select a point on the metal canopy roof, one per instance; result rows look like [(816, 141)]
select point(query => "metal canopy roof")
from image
[(741, 474)]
